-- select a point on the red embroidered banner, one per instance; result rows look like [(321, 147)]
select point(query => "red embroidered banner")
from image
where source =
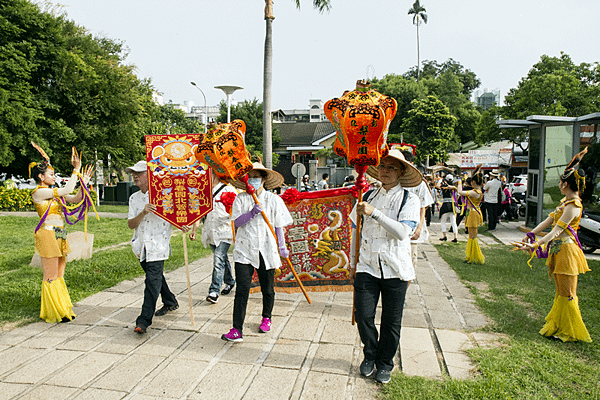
[(178, 184), (319, 242)]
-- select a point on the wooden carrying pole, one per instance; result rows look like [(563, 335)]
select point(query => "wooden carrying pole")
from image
[(187, 273), (251, 191), (361, 183)]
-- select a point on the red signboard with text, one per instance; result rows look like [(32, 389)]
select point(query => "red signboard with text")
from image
[(318, 241), (178, 184)]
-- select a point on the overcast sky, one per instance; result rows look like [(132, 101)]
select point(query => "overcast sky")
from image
[(318, 56)]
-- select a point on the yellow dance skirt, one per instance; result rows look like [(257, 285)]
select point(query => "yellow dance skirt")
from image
[(51, 241), (473, 252), (564, 321), (474, 219), (567, 259), (56, 303)]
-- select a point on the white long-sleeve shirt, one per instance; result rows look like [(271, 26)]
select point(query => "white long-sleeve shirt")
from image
[(255, 236), (385, 235), (217, 225)]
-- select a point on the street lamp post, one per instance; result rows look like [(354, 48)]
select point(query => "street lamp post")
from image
[(205, 108), (228, 89)]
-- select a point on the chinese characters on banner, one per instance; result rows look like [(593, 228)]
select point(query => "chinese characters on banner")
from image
[(178, 184), (319, 243)]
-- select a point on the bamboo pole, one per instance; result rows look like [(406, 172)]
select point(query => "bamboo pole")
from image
[(187, 273)]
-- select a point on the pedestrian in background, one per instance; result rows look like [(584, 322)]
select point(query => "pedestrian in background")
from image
[(323, 183), (217, 233), (492, 190)]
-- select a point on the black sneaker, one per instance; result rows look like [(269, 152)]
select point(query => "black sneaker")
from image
[(443, 239), (212, 298), (166, 309), (367, 367), (383, 375), (227, 289), (454, 240)]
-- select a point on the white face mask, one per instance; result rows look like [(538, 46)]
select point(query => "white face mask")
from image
[(255, 182)]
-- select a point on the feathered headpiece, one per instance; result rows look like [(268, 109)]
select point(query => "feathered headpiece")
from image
[(44, 156), (573, 168)]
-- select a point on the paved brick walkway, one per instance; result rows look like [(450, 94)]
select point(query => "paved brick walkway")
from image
[(312, 352)]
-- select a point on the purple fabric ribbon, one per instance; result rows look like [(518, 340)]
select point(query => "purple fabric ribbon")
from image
[(81, 209)]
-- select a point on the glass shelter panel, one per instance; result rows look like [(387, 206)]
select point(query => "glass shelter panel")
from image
[(558, 154)]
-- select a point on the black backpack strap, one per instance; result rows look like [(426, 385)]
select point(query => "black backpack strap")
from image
[(218, 190), (404, 198)]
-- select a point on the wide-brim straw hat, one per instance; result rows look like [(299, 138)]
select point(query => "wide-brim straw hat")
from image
[(495, 172), (273, 180), (411, 178)]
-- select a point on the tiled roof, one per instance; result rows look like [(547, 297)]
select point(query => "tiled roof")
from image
[(303, 133)]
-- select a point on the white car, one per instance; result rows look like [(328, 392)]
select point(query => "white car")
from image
[(518, 185)]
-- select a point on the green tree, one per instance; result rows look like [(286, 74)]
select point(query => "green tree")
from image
[(429, 126), (251, 112), (418, 13), (433, 69), (404, 90), (62, 87), (448, 88), (267, 145), (555, 86)]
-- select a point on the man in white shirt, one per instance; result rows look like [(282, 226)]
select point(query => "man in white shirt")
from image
[(151, 244), (491, 189), (422, 191), (389, 215), (217, 232), (322, 185)]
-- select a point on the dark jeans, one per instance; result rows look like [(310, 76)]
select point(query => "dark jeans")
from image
[(380, 347), (155, 285), (243, 275), (493, 214)]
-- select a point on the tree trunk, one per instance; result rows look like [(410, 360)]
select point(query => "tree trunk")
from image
[(267, 83), (418, 55)]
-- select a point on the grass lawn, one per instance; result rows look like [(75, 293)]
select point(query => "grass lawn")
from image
[(20, 283), (526, 365), (112, 208)]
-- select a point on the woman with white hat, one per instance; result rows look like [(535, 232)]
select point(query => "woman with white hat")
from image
[(384, 269), (255, 246)]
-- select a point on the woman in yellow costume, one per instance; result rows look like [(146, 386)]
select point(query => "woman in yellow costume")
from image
[(565, 257), (51, 235), (474, 217)]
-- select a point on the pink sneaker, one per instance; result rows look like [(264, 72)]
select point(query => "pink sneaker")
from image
[(265, 326), (233, 336)]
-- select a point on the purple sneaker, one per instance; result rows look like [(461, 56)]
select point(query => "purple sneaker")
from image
[(233, 336), (265, 326)]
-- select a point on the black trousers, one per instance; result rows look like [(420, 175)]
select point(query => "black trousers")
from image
[(493, 214), (243, 276), (156, 285), (380, 347)]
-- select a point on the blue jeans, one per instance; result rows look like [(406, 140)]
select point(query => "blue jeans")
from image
[(381, 347), (155, 285), (221, 268)]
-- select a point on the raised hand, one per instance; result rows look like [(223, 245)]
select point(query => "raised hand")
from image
[(88, 171), (75, 159)]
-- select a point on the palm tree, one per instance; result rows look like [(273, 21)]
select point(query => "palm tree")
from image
[(321, 5), (418, 13)]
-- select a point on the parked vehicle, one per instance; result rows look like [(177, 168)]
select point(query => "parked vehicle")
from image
[(589, 232), (518, 185)]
